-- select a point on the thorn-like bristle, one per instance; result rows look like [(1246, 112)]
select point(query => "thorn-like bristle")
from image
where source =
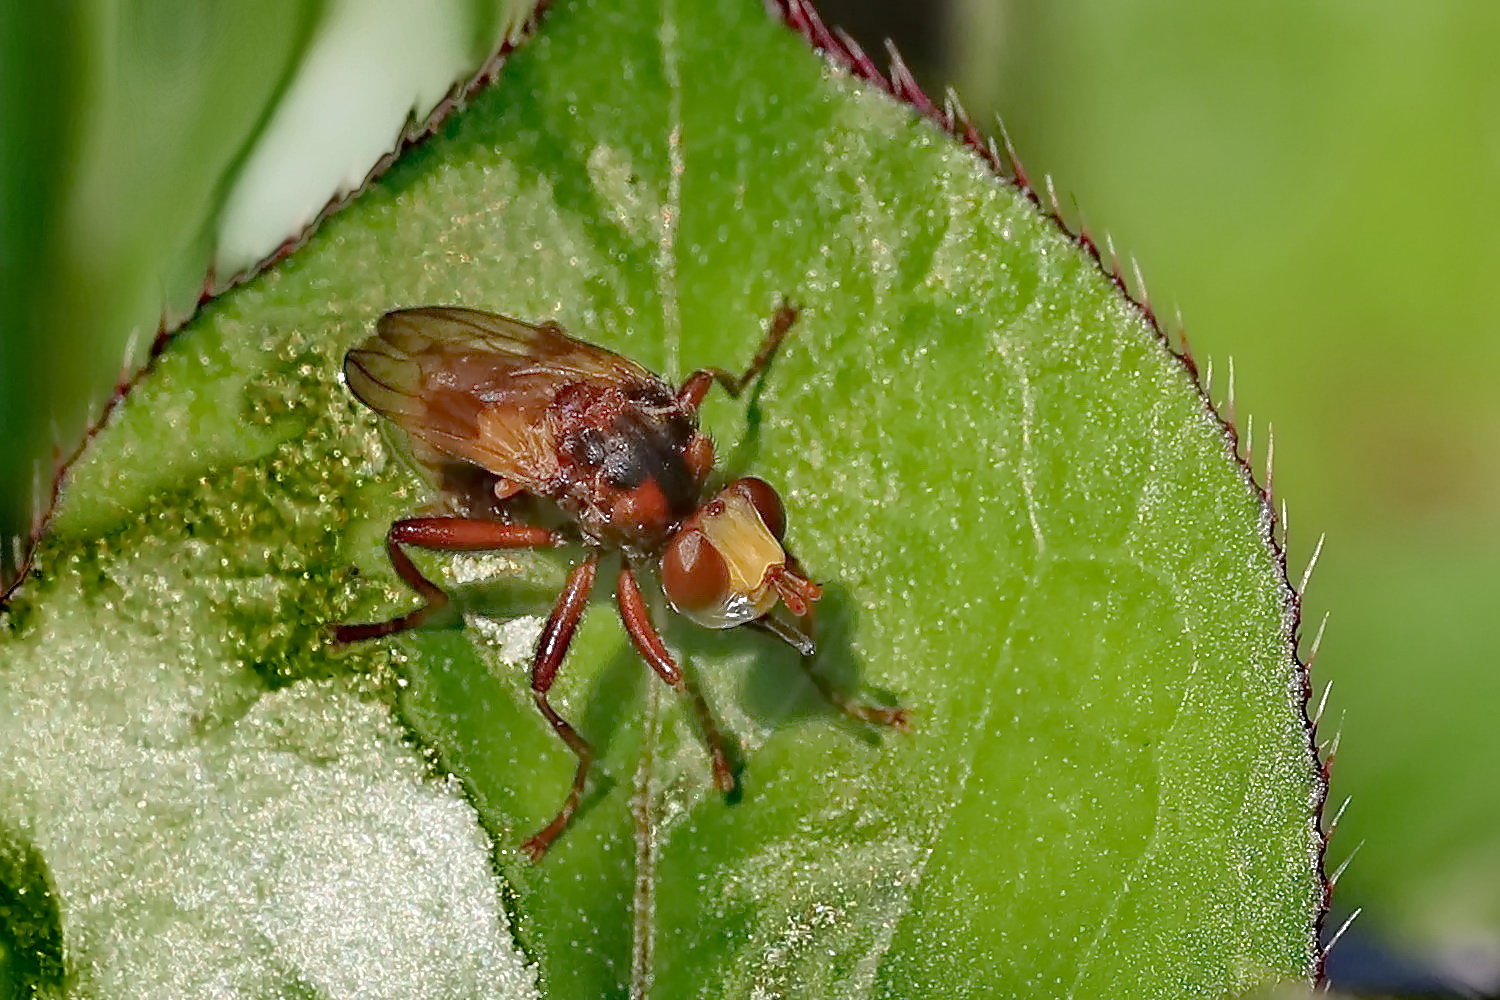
[(127, 363), (1052, 196), (1330, 748), (860, 61), (1333, 824), (1145, 295), (809, 22), (894, 54), (1270, 461), (1208, 377), (1017, 168), (1115, 271), (904, 85), (1286, 528), (1322, 704), (1187, 344), (1311, 564), (1249, 440), (953, 114), (1229, 395), (803, 17), (1333, 879), (1340, 932), (1312, 653), (953, 110), (992, 156), (961, 123)]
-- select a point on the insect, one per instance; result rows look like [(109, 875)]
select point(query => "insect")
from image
[(506, 414)]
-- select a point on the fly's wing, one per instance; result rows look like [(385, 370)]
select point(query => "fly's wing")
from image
[(477, 386)]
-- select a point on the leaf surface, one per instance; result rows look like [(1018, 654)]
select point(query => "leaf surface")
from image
[(1029, 525)]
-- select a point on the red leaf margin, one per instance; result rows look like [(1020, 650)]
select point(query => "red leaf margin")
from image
[(1001, 158)]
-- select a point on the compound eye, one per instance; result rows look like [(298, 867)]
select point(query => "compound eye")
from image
[(694, 574), (767, 503)]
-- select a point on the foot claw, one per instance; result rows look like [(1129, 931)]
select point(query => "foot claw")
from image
[(723, 776), (535, 848), (896, 718)]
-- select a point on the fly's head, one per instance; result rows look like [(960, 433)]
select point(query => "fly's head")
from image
[(725, 565)]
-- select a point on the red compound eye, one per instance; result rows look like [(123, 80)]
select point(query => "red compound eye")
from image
[(767, 503), (693, 574)]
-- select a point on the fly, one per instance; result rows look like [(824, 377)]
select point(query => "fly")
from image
[(502, 412)]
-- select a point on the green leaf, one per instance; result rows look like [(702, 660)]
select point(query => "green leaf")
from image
[(1272, 178), (1029, 525)]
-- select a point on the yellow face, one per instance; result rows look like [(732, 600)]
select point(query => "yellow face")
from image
[(731, 554)]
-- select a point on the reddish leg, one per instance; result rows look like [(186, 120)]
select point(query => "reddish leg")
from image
[(697, 384), (556, 636), (444, 534), (637, 619), (799, 635)]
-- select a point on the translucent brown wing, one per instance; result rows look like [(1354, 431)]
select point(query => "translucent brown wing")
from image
[(477, 386)]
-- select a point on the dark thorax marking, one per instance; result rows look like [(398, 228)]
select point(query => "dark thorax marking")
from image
[(646, 445)]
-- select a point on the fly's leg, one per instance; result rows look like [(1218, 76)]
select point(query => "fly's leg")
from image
[(896, 718), (443, 534), (637, 619), (798, 633), (697, 384), (556, 636)]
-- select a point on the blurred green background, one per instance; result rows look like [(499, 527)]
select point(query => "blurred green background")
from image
[(1312, 183)]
